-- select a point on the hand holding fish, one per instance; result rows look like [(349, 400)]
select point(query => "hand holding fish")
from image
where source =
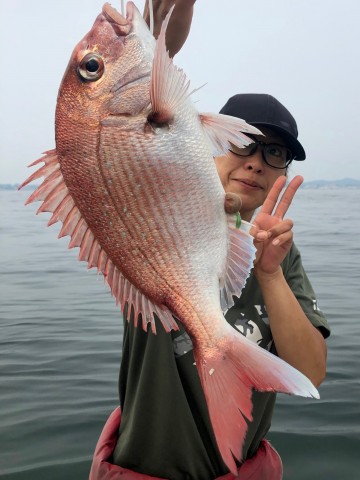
[(273, 235), (179, 24)]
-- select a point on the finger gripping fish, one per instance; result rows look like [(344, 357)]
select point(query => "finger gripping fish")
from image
[(133, 181)]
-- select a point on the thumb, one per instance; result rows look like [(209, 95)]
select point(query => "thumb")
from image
[(259, 235)]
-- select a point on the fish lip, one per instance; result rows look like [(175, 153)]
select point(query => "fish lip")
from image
[(112, 15), (130, 11), (120, 24)]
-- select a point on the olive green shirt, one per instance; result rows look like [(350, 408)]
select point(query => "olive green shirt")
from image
[(165, 429)]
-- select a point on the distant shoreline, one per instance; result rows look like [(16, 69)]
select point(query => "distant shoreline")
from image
[(313, 184), (340, 183)]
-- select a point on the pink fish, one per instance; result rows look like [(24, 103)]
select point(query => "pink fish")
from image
[(133, 181)]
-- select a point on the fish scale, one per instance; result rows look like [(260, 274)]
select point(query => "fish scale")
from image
[(170, 220)]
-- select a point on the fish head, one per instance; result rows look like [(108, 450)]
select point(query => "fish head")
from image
[(108, 73)]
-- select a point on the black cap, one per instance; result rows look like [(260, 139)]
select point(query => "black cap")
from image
[(261, 109)]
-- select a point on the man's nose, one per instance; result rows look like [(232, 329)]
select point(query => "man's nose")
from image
[(255, 162)]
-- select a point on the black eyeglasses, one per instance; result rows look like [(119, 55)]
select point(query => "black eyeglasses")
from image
[(274, 154)]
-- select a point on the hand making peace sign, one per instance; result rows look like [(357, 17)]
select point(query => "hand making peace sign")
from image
[(273, 235)]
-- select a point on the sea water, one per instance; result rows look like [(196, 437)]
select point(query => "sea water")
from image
[(61, 340)]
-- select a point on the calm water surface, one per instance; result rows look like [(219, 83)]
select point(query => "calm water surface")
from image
[(60, 347)]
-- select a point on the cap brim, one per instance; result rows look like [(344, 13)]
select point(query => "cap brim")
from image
[(292, 142)]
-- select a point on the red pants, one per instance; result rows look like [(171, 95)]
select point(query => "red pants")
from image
[(264, 465)]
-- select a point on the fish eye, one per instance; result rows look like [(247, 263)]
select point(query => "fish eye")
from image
[(91, 67)]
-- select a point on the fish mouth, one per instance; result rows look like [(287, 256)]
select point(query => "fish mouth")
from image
[(121, 25)]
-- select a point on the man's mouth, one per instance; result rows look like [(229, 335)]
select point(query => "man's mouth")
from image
[(249, 184)]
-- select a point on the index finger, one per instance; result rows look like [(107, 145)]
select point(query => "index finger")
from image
[(288, 196)]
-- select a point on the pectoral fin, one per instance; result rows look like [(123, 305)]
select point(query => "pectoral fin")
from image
[(222, 130), (240, 261)]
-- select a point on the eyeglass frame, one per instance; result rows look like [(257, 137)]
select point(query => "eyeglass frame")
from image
[(256, 143)]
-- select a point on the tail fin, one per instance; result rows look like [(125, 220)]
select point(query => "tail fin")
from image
[(228, 373)]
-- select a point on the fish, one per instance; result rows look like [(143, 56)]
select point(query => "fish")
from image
[(133, 181)]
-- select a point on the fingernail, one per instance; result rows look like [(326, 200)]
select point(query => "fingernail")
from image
[(262, 236), (276, 242)]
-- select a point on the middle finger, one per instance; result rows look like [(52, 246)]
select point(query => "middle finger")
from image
[(288, 196), (273, 196)]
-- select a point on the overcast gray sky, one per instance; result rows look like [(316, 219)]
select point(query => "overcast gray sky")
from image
[(304, 52)]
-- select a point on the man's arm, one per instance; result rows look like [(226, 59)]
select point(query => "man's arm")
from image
[(180, 21), (297, 341)]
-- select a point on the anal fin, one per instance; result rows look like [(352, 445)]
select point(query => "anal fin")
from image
[(57, 199)]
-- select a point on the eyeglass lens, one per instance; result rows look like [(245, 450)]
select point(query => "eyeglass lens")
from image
[(275, 155)]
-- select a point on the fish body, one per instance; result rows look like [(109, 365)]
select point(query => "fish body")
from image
[(134, 183), (156, 199)]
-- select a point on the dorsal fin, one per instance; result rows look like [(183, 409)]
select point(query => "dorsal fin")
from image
[(240, 261), (58, 200)]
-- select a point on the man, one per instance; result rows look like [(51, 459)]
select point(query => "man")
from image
[(165, 430)]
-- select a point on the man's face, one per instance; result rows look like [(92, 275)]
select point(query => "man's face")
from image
[(249, 177)]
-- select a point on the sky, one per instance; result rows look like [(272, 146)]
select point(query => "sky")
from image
[(304, 52)]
